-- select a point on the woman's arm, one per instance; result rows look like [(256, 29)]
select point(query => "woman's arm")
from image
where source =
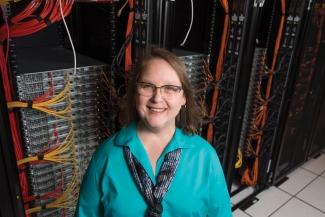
[(220, 205)]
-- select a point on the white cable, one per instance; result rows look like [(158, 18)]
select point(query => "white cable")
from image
[(74, 52), (188, 32)]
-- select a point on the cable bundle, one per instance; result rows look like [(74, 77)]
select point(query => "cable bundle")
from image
[(54, 194), (43, 106), (250, 177), (22, 25), (118, 59), (126, 47), (128, 50), (108, 87), (67, 199), (61, 154), (220, 62), (111, 105), (64, 154), (209, 83), (56, 135)]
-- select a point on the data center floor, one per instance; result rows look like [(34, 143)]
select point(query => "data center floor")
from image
[(301, 195)]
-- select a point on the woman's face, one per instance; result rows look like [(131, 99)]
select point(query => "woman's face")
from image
[(156, 112)]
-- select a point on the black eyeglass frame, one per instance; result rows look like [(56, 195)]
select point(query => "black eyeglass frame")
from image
[(180, 88)]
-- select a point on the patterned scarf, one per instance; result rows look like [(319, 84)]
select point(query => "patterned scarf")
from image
[(153, 194)]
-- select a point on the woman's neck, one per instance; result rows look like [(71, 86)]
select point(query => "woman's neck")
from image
[(165, 134), (154, 142)]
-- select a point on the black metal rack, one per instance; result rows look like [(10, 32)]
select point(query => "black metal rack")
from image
[(11, 203), (294, 44)]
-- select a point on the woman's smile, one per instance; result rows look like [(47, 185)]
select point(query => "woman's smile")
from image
[(159, 110)]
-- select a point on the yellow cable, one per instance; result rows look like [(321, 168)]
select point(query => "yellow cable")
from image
[(41, 106), (70, 195), (8, 2), (239, 159), (64, 154), (120, 11), (66, 201)]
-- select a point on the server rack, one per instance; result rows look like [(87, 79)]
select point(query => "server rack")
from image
[(292, 152), (80, 128), (234, 83), (267, 90), (293, 31), (195, 64), (39, 64), (314, 112), (153, 24)]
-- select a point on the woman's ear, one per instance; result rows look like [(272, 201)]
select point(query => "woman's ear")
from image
[(184, 100)]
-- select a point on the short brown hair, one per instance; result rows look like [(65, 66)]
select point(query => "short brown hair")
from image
[(189, 117)]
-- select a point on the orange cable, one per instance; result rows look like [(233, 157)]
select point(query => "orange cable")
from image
[(128, 50), (222, 53)]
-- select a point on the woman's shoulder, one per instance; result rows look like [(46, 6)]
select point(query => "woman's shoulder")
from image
[(198, 143), (201, 150), (115, 142), (107, 147), (196, 139)]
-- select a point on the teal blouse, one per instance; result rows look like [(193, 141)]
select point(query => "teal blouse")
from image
[(198, 188)]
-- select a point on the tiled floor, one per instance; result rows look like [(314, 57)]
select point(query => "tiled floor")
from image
[(302, 195)]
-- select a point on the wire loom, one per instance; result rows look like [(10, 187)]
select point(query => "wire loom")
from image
[(42, 106)]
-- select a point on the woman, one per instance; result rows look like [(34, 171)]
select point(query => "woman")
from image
[(156, 165)]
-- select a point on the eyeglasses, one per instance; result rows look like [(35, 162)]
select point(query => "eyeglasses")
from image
[(167, 91)]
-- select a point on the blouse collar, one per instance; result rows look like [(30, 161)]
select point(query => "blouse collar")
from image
[(129, 137)]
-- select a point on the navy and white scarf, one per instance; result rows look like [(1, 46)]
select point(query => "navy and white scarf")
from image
[(153, 194)]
